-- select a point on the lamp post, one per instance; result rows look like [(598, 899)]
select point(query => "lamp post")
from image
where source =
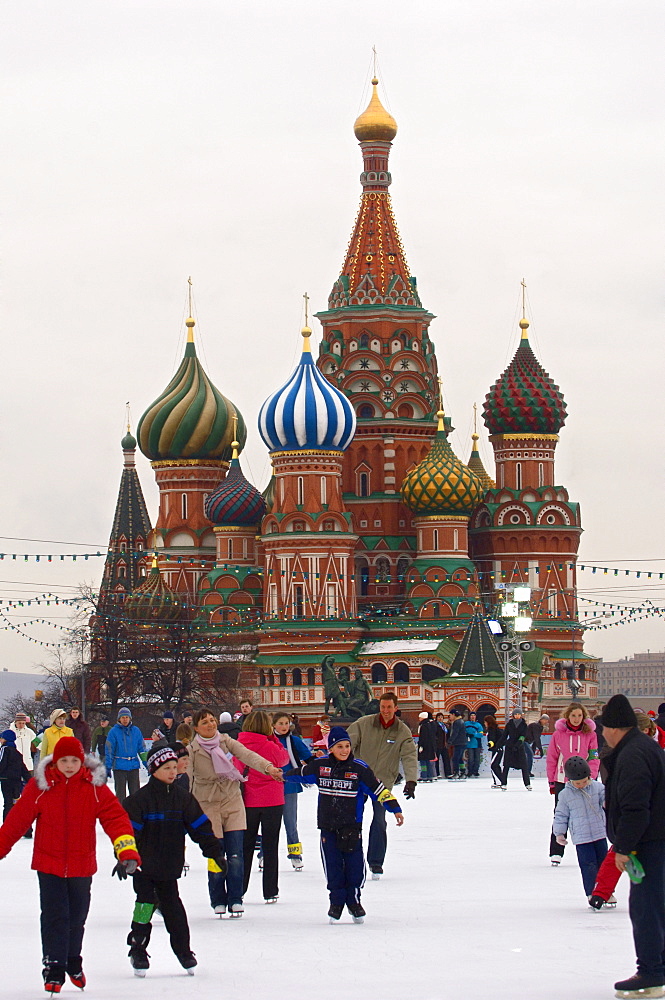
[(515, 613)]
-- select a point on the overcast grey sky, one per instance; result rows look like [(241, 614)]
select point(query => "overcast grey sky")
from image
[(147, 141)]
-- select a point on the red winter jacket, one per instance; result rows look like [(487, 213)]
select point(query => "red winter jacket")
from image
[(261, 789), (66, 811)]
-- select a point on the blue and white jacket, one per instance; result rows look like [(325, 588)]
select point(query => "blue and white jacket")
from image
[(343, 786), (298, 752), (580, 810), (474, 735)]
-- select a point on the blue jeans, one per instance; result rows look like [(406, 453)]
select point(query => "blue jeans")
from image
[(590, 857), (528, 750), (227, 889), (458, 756), (429, 770), (290, 816), (377, 842), (473, 755), (646, 907)]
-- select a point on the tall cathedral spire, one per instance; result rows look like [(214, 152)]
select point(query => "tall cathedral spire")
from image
[(375, 268)]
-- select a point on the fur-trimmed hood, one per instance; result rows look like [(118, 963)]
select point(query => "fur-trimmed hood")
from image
[(93, 771)]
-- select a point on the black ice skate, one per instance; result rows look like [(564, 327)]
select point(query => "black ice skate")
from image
[(639, 986), (75, 972), (596, 902), (357, 911), (54, 977), (137, 939), (335, 912), (188, 961)]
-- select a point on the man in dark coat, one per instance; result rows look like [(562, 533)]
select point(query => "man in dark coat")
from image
[(514, 754), (635, 806), (80, 728), (427, 745), (457, 740)]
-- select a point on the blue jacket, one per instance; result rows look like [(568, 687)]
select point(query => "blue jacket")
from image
[(123, 746), (474, 735), (300, 752), (580, 810), (343, 788)]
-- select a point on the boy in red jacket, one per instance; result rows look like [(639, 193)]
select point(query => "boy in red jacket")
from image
[(67, 796)]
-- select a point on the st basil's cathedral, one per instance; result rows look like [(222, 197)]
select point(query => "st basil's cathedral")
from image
[(375, 553)]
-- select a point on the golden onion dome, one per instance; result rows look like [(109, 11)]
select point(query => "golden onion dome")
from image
[(441, 483), (375, 122), (154, 601)]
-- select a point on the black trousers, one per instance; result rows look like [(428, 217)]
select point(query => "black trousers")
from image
[(165, 895), (526, 778), (11, 790), (646, 907), (495, 766), (556, 849), (269, 819), (126, 779), (64, 904)]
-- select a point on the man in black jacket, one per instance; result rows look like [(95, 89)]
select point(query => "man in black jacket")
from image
[(635, 805), (161, 813)]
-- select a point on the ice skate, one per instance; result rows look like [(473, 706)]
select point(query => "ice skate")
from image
[(188, 962), (220, 910), (611, 902), (297, 864), (638, 986), (138, 959), (236, 910), (596, 902), (76, 974), (54, 978), (335, 912), (555, 859), (261, 863), (271, 899), (377, 872), (357, 911)]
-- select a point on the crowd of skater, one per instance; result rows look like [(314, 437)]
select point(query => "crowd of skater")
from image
[(231, 783)]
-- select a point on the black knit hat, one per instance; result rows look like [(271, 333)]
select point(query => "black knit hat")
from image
[(661, 708), (618, 713)]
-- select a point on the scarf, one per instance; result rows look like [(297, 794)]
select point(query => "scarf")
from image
[(387, 725), (224, 768)]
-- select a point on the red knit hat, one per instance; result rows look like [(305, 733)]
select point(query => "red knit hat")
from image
[(68, 746)]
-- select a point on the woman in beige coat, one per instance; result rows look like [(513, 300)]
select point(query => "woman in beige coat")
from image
[(216, 784)]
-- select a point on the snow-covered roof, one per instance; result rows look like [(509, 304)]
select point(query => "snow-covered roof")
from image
[(398, 646)]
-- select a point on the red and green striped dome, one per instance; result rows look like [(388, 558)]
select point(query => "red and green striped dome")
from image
[(524, 400), (235, 503)]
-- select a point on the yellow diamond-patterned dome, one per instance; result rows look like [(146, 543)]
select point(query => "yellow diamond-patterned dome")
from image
[(441, 483)]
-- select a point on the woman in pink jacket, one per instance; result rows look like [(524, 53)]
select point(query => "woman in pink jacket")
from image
[(264, 801), (574, 736)]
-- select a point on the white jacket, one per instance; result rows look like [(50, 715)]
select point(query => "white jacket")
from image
[(24, 738)]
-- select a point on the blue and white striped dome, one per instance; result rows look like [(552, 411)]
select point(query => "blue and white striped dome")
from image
[(308, 412)]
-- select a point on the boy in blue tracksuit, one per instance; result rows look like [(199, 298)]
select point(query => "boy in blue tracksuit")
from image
[(344, 782), (474, 737), (125, 752)]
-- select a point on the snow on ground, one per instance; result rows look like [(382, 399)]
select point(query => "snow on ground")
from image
[(469, 904)]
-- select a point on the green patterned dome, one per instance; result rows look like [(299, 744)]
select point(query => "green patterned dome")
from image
[(441, 483), (191, 419)]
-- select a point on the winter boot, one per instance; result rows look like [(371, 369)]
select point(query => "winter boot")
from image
[(335, 912), (137, 939), (639, 986), (75, 972), (357, 911), (188, 961), (54, 977)]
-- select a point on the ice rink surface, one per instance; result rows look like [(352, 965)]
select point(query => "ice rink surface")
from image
[(469, 906)]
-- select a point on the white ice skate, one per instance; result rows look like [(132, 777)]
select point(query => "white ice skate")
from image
[(555, 859), (220, 910), (236, 910), (297, 864)]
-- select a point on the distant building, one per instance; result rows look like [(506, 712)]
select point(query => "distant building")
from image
[(641, 676)]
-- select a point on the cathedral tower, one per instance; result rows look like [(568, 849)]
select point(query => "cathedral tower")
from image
[(527, 530), (127, 560), (376, 350)]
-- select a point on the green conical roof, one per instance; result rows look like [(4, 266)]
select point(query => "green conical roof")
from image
[(441, 483), (477, 653)]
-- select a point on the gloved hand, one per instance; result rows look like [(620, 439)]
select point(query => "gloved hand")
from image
[(125, 868), (552, 788), (562, 840), (521, 739), (410, 790), (221, 864)]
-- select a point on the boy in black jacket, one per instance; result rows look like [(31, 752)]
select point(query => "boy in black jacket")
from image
[(344, 782), (13, 772), (161, 813)]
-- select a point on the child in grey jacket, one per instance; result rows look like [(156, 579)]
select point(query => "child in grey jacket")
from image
[(580, 810)]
